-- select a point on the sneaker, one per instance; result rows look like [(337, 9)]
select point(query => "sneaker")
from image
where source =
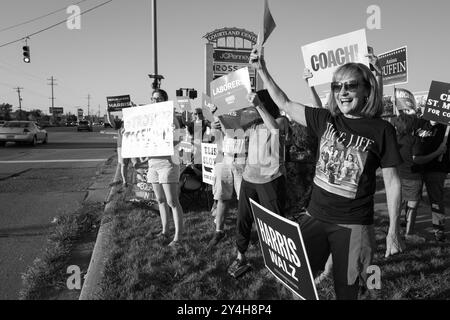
[(439, 236), (218, 235), (238, 268)]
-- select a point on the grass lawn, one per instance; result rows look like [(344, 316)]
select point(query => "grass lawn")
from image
[(141, 267)]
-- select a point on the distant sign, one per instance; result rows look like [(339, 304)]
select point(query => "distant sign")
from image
[(56, 110), (184, 103), (208, 108), (209, 154), (148, 130), (437, 107), (284, 251), (395, 67), (118, 103), (229, 92), (80, 113), (404, 100), (325, 56)]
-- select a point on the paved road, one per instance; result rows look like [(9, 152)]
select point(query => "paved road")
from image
[(37, 184)]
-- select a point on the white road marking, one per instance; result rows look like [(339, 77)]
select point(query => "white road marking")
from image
[(53, 161)]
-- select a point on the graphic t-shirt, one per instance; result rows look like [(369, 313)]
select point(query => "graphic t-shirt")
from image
[(431, 137), (410, 146), (349, 153)]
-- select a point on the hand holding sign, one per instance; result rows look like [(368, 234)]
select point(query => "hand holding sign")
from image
[(307, 74), (256, 59), (375, 63)]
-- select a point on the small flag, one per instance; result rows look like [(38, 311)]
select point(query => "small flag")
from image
[(269, 23)]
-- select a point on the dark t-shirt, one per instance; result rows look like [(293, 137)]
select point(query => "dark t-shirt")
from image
[(431, 137), (349, 153), (409, 146)]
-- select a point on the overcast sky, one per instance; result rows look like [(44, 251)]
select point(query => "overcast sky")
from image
[(112, 53)]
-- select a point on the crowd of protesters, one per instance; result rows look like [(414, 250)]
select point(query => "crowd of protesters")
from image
[(353, 142)]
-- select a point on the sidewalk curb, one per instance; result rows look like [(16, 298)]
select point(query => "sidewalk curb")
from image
[(100, 253)]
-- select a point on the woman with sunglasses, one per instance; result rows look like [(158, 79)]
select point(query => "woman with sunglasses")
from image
[(340, 215), (164, 175)]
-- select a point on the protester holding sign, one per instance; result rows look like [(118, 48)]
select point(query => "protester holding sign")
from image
[(411, 170), (228, 170), (341, 210), (435, 171), (117, 124), (164, 174), (264, 177)]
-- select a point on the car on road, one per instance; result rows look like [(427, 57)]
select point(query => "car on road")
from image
[(84, 125), (22, 132)]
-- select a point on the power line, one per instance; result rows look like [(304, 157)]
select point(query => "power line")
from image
[(54, 25), (35, 19)]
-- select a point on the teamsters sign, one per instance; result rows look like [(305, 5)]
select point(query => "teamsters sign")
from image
[(284, 251), (325, 56)]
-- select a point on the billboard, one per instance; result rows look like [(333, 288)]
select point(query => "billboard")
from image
[(56, 110)]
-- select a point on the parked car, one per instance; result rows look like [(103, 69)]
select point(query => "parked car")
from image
[(84, 125), (22, 132)]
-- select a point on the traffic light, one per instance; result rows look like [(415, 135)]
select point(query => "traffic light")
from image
[(26, 54), (192, 94)]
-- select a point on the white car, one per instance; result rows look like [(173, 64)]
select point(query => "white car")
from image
[(22, 132)]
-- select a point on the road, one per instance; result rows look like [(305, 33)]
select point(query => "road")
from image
[(39, 183)]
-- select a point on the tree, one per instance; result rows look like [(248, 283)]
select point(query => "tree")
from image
[(5, 111)]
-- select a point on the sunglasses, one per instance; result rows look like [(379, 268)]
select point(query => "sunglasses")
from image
[(157, 99), (348, 86)]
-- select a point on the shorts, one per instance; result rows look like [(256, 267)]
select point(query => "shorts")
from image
[(411, 190), (120, 159), (226, 177), (163, 171), (351, 246)]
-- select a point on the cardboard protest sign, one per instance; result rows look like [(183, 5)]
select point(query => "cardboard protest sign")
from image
[(229, 92), (437, 107), (208, 108), (148, 130), (184, 103), (117, 103), (405, 100), (394, 66), (284, 251), (324, 57), (209, 154)]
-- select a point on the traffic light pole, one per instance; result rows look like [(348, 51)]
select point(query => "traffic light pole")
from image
[(157, 77)]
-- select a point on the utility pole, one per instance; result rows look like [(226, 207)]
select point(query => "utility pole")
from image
[(89, 103), (20, 102), (52, 83), (157, 82)]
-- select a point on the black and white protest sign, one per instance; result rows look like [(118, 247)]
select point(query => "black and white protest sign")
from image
[(284, 251), (437, 107)]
